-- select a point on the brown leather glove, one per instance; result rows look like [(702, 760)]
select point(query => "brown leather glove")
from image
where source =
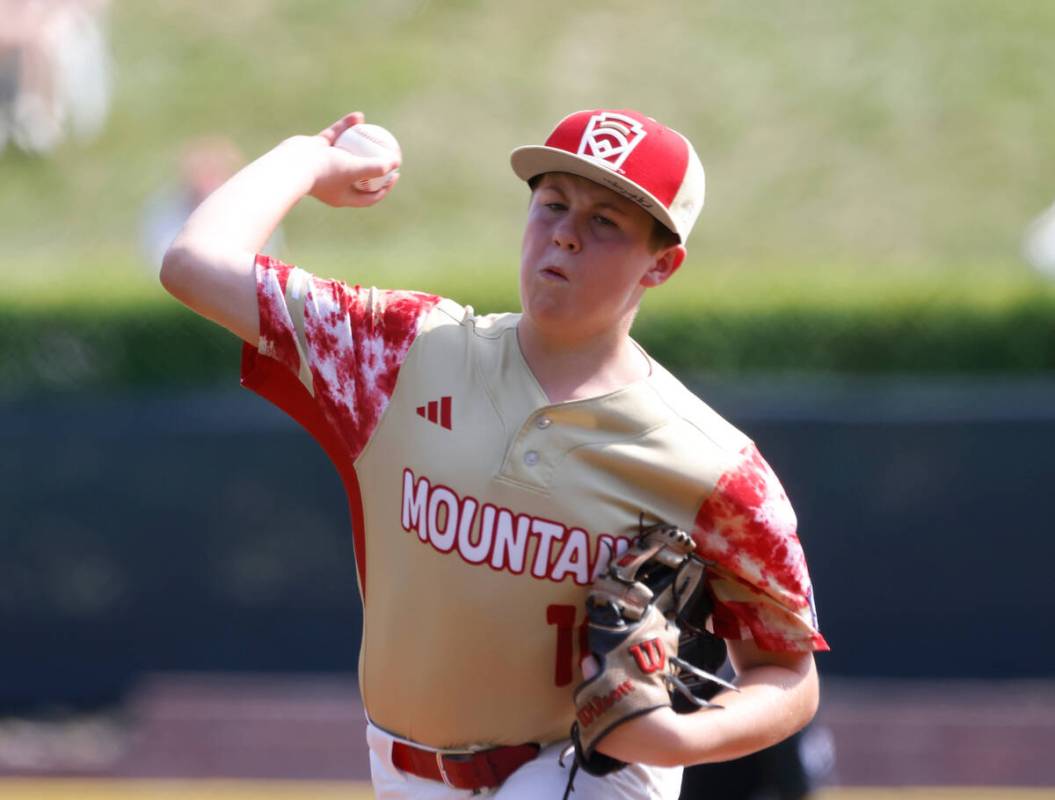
[(633, 611)]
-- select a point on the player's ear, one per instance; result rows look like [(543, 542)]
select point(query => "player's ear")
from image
[(665, 263)]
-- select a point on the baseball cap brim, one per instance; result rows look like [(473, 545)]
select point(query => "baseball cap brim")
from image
[(533, 160)]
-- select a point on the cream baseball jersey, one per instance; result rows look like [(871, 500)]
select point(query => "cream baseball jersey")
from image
[(481, 512)]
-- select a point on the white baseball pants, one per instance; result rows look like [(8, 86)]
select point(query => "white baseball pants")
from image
[(541, 779)]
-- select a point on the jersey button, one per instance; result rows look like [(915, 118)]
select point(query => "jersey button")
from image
[(531, 458), (543, 422)]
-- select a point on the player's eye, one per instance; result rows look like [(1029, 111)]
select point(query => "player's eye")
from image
[(604, 221), (555, 206)]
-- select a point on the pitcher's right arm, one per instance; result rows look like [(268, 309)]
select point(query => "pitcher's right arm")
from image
[(209, 265)]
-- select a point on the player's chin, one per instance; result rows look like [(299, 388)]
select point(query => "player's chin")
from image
[(546, 309)]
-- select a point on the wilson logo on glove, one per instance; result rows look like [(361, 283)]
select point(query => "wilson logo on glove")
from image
[(649, 655), (596, 706), (634, 612)]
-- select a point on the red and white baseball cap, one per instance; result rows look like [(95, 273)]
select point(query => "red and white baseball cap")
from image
[(629, 153)]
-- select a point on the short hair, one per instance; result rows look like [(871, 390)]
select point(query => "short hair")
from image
[(661, 237)]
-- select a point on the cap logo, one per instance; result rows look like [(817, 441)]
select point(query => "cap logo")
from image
[(609, 138)]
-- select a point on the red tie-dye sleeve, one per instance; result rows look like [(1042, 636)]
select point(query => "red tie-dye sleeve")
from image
[(329, 354), (747, 530)]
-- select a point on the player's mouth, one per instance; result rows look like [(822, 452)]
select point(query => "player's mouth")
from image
[(554, 273)]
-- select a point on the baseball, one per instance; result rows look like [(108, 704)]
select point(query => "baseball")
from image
[(370, 141)]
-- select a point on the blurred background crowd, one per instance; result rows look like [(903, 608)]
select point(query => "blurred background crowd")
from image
[(55, 73)]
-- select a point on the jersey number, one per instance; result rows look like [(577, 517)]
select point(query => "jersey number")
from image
[(563, 617)]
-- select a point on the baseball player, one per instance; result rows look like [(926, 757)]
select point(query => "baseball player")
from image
[(495, 464)]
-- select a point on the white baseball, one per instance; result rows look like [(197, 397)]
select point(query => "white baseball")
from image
[(370, 141)]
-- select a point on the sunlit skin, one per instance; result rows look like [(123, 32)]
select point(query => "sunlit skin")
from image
[(778, 695), (585, 258), (585, 264), (209, 266)]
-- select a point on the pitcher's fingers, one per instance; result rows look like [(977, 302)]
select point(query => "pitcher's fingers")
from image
[(362, 198), (589, 667), (331, 133), (376, 167)]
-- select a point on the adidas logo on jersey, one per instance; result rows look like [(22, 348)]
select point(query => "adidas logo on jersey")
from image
[(437, 411)]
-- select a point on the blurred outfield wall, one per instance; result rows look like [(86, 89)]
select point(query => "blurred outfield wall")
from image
[(205, 531)]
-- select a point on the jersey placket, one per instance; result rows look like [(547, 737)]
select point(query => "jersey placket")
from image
[(534, 452)]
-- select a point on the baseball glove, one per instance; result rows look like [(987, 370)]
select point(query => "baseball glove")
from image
[(636, 612)]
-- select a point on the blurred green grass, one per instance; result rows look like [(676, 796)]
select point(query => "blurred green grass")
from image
[(105, 282), (871, 169), (849, 146)]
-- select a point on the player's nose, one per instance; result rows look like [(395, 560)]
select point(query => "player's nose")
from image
[(565, 235)]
